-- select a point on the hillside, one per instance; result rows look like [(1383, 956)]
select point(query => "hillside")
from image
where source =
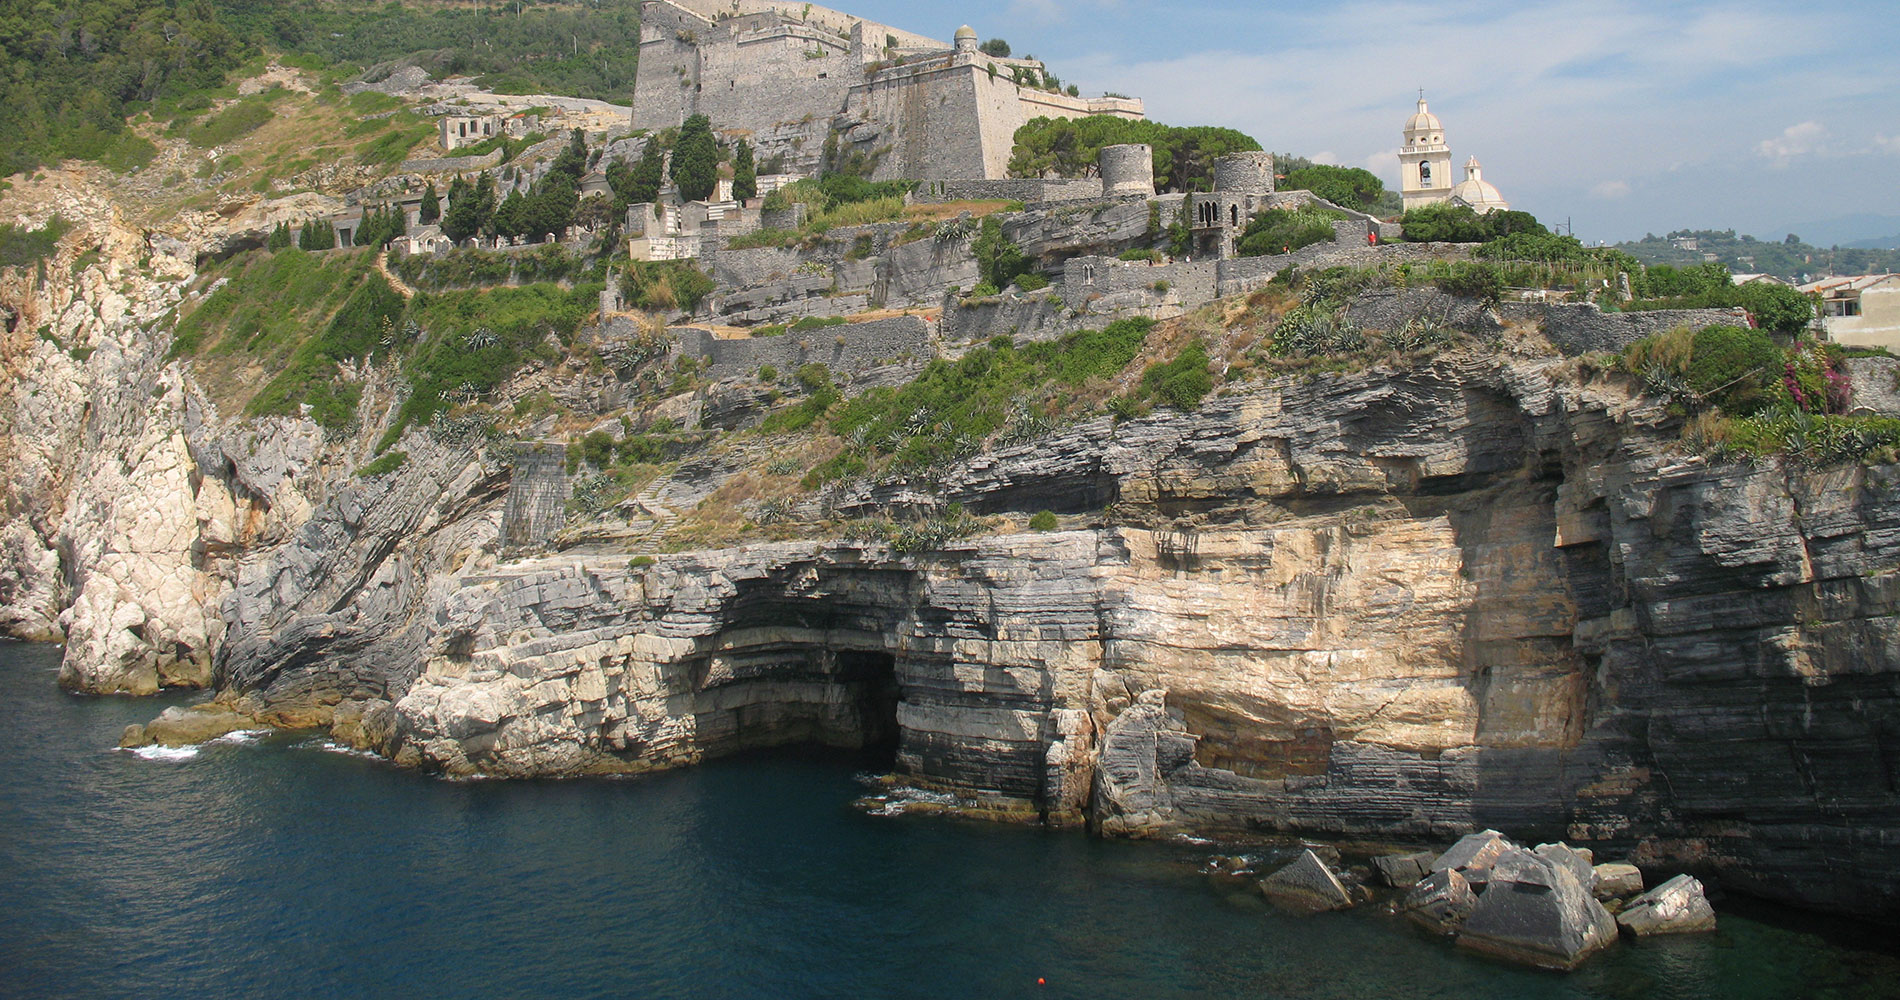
[(1789, 259)]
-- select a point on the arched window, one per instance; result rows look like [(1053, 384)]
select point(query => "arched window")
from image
[(1233, 216), (1425, 175)]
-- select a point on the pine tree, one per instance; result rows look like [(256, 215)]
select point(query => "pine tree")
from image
[(431, 206), (696, 160), (745, 175)]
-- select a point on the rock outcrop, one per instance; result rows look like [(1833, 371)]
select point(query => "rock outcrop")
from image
[(1307, 885), (1677, 906), (1413, 601), (1534, 911)]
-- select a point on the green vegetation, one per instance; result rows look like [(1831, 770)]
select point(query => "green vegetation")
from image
[(1279, 230), (821, 395), (1708, 286), (467, 343), (1045, 520), (1745, 395), (1347, 187), (1459, 224), (317, 234), (76, 68), (482, 268), (953, 406), (696, 160), (745, 173), (383, 464), (1183, 157), (998, 259), (562, 47), (21, 247), (310, 377), (995, 47), (237, 120), (665, 285), (1181, 382)]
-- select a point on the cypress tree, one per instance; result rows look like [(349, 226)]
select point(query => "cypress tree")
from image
[(431, 205), (279, 238), (745, 175), (647, 174), (696, 160)]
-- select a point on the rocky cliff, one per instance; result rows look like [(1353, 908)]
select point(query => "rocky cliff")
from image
[(1478, 589)]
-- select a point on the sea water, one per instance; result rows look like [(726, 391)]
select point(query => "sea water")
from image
[(269, 866)]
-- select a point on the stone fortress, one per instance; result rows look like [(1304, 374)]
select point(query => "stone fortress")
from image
[(800, 79), (1425, 169)]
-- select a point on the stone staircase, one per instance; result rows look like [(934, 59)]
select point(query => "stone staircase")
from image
[(661, 518)]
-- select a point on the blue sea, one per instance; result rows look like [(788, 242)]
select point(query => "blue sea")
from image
[(280, 866)]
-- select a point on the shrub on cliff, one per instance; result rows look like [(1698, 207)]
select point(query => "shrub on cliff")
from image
[(1734, 368), (1181, 382), (1278, 230)]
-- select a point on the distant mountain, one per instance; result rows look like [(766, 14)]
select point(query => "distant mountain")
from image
[(1883, 243), (1848, 231)]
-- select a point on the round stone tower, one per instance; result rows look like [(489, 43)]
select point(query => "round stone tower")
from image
[(1128, 171), (966, 39), (1244, 173)]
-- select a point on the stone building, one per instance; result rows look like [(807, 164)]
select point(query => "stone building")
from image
[(1243, 185), (802, 81), (1425, 176), (456, 131)]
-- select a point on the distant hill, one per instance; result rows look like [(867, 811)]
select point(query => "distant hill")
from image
[(1883, 243), (1790, 258)]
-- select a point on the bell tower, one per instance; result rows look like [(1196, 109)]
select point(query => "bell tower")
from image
[(1424, 161)]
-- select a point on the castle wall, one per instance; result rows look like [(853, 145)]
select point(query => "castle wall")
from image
[(844, 349), (664, 87), (1029, 191)]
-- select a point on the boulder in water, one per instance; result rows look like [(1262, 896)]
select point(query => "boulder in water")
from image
[(1307, 885), (183, 727), (1440, 901), (1474, 852), (1617, 880), (1536, 912), (1677, 906), (1577, 861), (1402, 871)]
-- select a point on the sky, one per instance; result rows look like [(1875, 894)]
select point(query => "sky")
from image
[(1623, 117)]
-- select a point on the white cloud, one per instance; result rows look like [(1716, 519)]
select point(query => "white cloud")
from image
[(1887, 143), (1807, 138), (1384, 163), (1611, 190), (1328, 157)]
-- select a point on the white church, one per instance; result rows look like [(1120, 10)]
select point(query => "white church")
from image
[(1425, 169)]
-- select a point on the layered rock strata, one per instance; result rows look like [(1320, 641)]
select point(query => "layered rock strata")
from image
[(1404, 603)]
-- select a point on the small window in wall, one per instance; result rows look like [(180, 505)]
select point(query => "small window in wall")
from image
[(1424, 175), (1233, 216), (1088, 274)]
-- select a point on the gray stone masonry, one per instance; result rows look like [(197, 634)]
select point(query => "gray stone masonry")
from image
[(1582, 328), (537, 496), (844, 349), (1876, 382), (452, 164), (1034, 191)]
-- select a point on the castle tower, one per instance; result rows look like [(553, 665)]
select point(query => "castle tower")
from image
[(1424, 160), (1127, 171), (966, 40)]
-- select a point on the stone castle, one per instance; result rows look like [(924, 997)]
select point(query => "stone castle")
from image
[(803, 81)]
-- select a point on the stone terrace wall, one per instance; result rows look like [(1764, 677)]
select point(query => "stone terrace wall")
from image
[(1348, 249), (1029, 192), (849, 348), (1583, 328), (1876, 383), (456, 164)]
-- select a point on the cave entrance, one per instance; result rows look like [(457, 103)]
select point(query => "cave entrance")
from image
[(774, 690)]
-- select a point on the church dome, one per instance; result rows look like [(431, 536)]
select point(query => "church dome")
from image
[(966, 32), (1424, 121), (1477, 192)]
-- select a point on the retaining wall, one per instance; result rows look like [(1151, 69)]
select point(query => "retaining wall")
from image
[(845, 349)]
